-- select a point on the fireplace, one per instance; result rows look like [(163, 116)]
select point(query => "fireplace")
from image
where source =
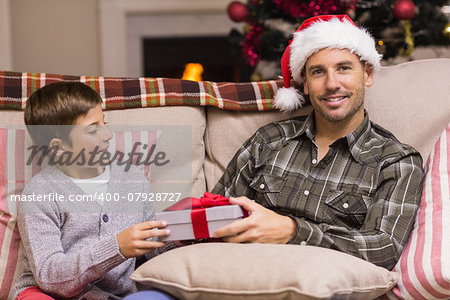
[(168, 56), (130, 26)]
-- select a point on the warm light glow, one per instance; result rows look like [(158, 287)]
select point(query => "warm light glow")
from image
[(380, 42), (447, 30), (193, 72)]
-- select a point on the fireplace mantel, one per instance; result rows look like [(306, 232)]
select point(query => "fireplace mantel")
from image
[(114, 17)]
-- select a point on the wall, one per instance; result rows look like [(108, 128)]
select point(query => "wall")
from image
[(63, 36), (5, 36), (55, 36), (155, 17)]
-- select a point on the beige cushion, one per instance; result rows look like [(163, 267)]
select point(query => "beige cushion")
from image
[(192, 117), (174, 144), (412, 100), (11, 118), (228, 130), (263, 271)]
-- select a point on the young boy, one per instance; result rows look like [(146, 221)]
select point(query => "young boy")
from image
[(80, 249)]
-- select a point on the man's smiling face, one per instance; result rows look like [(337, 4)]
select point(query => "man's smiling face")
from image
[(335, 80)]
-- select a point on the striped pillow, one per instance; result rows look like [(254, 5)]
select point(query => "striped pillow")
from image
[(15, 173), (424, 267), (124, 141), (12, 181)]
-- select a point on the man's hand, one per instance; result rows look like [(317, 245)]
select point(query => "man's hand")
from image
[(262, 226), (133, 240)]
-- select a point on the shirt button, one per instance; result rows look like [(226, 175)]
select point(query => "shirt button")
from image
[(105, 218), (314, 161), (345, 205), (306, 192), (262, 186)]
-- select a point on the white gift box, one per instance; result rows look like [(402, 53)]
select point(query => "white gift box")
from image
[(182, 228)]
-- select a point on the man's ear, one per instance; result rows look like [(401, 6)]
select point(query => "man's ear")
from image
[(305, 86), (57, 146), (368, 75)]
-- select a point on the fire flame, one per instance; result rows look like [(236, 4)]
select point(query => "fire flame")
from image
[(193, 72)]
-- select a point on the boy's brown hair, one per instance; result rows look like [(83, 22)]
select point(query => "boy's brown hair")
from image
[(59, 103)]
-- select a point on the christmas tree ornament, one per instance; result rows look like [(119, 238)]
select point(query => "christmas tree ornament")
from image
[(404, 9), (446, 30), (409, 40), (237, 11), (381, 47), (256, 76)]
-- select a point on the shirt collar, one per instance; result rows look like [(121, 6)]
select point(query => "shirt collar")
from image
[(357, 137), (354, 139), (307, 128)]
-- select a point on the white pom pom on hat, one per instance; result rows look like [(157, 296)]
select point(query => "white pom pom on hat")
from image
[(316, 33)]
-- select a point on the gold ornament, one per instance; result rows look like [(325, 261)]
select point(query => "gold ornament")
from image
[(409, 40), (381, 47), (446, 30), (246, 29), (256, 76)]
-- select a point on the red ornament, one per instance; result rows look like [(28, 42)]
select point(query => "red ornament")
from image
[(404, 9), (237, 11)]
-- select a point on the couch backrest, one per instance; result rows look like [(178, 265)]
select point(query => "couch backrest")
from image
[(412, 100)]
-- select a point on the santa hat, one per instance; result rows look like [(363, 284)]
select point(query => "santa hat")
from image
[(330, 31)]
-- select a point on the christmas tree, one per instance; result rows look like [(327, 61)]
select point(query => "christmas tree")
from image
[(397, 25)]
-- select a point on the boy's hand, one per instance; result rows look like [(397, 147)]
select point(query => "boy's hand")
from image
[(133, 240)]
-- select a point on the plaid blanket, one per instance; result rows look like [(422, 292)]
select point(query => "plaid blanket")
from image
[(121, 93)]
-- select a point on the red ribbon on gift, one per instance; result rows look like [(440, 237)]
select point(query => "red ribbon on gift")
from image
[(198, 213), (210, 200)]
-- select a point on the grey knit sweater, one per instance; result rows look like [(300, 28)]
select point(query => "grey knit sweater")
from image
[(70, 246)]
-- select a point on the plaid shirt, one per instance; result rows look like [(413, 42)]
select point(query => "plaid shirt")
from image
[(361, 198)]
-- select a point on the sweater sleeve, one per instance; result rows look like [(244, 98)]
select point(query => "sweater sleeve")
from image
[(56, 271)]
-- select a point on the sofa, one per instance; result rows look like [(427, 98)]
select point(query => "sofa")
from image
[(206, 123)]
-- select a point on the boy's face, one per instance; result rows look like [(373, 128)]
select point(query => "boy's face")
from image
[(89, 135)]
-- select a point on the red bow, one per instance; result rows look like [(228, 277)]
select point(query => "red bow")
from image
[(198, 213), (210, 200)]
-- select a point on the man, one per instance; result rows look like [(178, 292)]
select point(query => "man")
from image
[(332, 179)]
